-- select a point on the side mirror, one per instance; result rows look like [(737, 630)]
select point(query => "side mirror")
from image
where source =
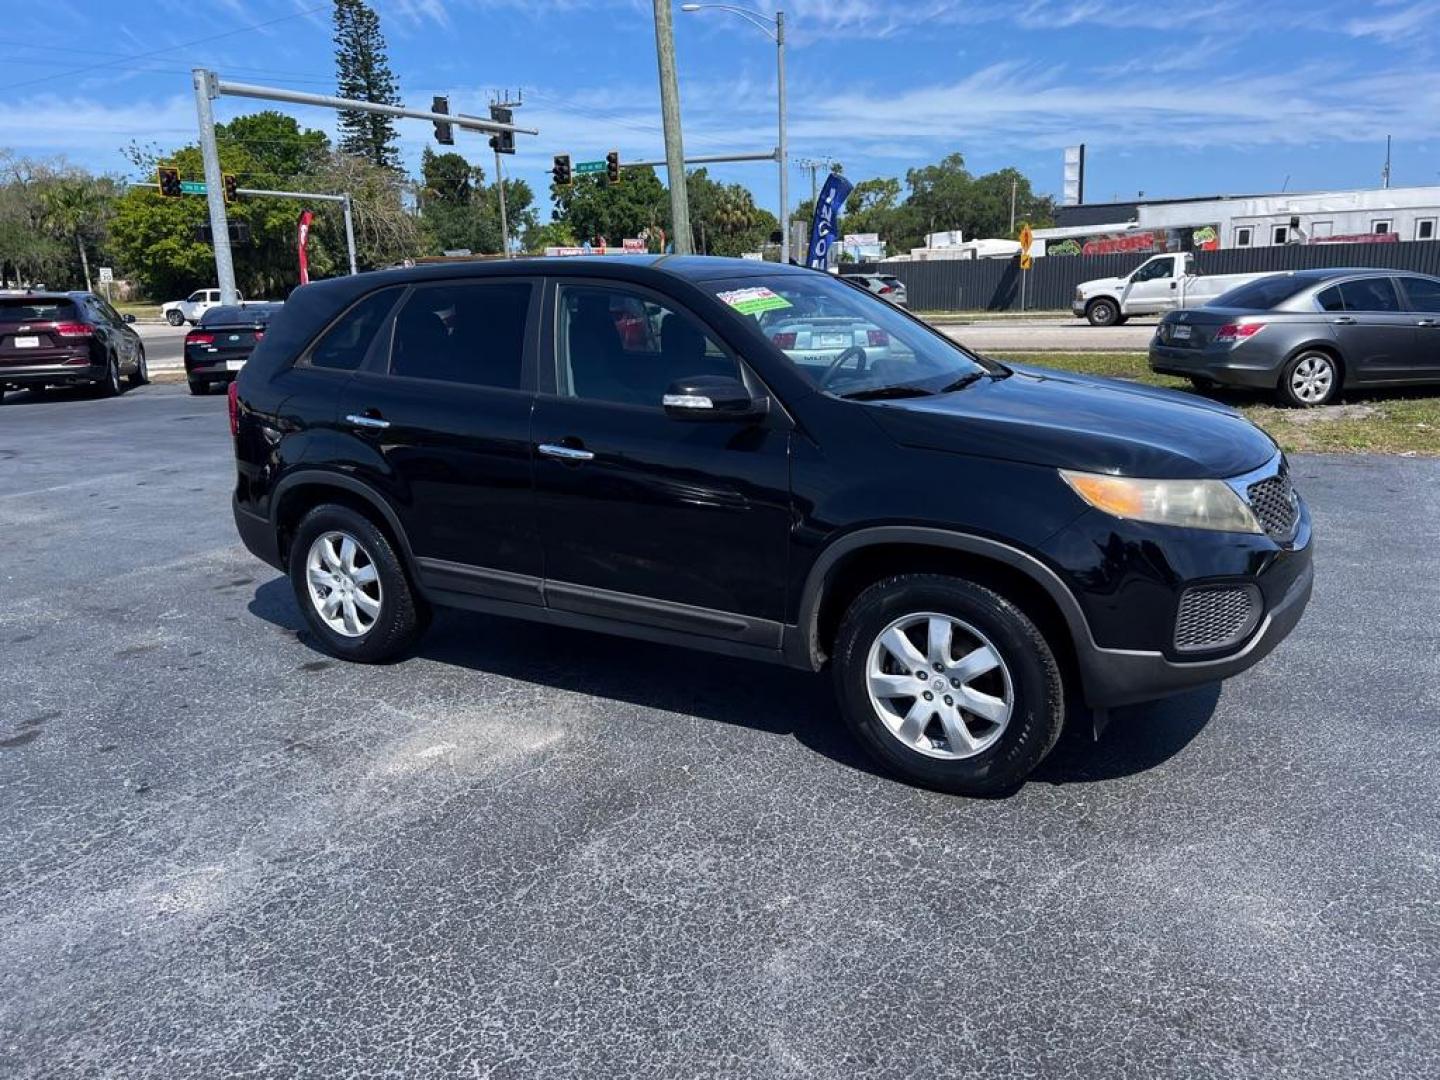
[(712, 397), (128, 317)]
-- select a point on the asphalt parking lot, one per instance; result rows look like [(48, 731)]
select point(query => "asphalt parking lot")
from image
[(527, 852)]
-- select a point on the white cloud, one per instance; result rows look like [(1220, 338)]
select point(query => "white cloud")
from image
[(1403, 22)]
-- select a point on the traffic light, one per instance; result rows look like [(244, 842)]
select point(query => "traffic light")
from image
[(230, 187), (612, 166), (444, 133), (239, 232), (502, 142), (168, 177), (560, 171)]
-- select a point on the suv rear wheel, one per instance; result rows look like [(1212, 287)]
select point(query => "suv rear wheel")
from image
[(351, 587), (948, 684)]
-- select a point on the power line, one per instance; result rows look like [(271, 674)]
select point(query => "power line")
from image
[(168, 49)]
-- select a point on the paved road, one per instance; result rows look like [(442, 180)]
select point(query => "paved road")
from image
[(533, 853), (164, 346), (1066, 335)]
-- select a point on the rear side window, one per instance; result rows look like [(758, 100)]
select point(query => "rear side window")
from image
[(1370, 294), (1424, 293), (25, 310), (344, 345), (472, 333), (1331, 300), (1261, 295)]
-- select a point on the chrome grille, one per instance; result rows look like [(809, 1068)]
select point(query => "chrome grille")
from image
[(1214, 616), (1273, 500)]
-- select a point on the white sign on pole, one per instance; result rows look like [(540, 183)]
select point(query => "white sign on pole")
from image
[(107, 275)]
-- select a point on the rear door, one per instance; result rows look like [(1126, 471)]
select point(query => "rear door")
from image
[(441, 425), (1376, 335), (1422, 296)]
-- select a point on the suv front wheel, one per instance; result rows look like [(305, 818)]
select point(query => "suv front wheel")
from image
[(948, 684), (351, 587)]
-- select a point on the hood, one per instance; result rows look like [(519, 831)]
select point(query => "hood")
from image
[(1082, 422), (1104, 284)]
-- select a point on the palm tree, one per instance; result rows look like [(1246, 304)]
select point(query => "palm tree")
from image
[(74, 208)]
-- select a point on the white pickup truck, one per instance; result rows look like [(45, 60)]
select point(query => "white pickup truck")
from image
[(1159, 284), (178, 312)]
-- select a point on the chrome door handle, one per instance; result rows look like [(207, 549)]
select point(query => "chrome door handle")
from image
[(1425, 322), (367, 421), (565, 453), (1344, 320)]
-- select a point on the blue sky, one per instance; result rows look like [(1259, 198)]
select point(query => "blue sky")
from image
[(1213, 96)]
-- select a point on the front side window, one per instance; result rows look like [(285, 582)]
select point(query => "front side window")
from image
[(1160, 268), (848, 342), (472, 333), (196, 297), (1370, 294), (1423, 293), (612, 344), (344, 345)]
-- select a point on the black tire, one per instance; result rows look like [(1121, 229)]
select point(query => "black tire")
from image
[(197, 387), (1103, 312), (1120, 320), (141, 375), (110, 385), (1038, 706), (400, 619), (174, 318), (1290, 389)]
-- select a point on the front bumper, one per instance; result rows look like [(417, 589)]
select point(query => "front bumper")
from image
[(1077, 308), (1122, 676), (1222, 364)]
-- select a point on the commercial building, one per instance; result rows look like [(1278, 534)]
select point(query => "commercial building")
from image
[(1210, 223)]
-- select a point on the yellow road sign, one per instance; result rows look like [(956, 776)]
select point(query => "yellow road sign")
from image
[(1026, 261)]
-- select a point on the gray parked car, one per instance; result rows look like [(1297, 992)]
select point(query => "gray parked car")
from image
[(1308, 333)]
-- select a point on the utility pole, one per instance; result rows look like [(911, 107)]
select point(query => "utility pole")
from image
[(503, 102), (1385, 173), (205, 90), (670, 115), (784, 149)]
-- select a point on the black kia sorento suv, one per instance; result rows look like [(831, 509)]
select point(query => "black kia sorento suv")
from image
[(766, 462)]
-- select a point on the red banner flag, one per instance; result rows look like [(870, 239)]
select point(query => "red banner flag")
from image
[(302, 239)]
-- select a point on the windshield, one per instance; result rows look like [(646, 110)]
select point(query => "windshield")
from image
[(1262, 295), (846, 341)]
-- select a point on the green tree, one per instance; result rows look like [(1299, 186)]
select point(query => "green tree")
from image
[(76, 208), (552, 234), (592, 208), (279, 148), (29, 249), (362, 72)]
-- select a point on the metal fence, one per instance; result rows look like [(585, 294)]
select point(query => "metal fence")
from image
[(994, 284)]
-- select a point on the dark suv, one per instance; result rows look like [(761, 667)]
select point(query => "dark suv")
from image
[(66, 339), (623, 445)]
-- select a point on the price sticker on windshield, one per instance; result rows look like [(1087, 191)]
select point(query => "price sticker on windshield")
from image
[(754, 300)]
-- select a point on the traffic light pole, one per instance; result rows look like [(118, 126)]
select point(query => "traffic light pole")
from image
[(205, 90), (209, 85)]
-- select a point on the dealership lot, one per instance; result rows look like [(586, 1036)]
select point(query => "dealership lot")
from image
[(531, 852)]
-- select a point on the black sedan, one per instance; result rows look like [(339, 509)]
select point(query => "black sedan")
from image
[(217, 349), (67, 339), (1308, 334)]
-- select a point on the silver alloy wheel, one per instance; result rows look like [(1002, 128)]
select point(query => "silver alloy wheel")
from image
[(939, 685), (344, 583), (1313, 378)]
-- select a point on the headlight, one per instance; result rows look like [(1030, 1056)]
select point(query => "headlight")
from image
[(1192, 504)]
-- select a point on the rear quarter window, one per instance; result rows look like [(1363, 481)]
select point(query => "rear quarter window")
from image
[(344, 345)]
